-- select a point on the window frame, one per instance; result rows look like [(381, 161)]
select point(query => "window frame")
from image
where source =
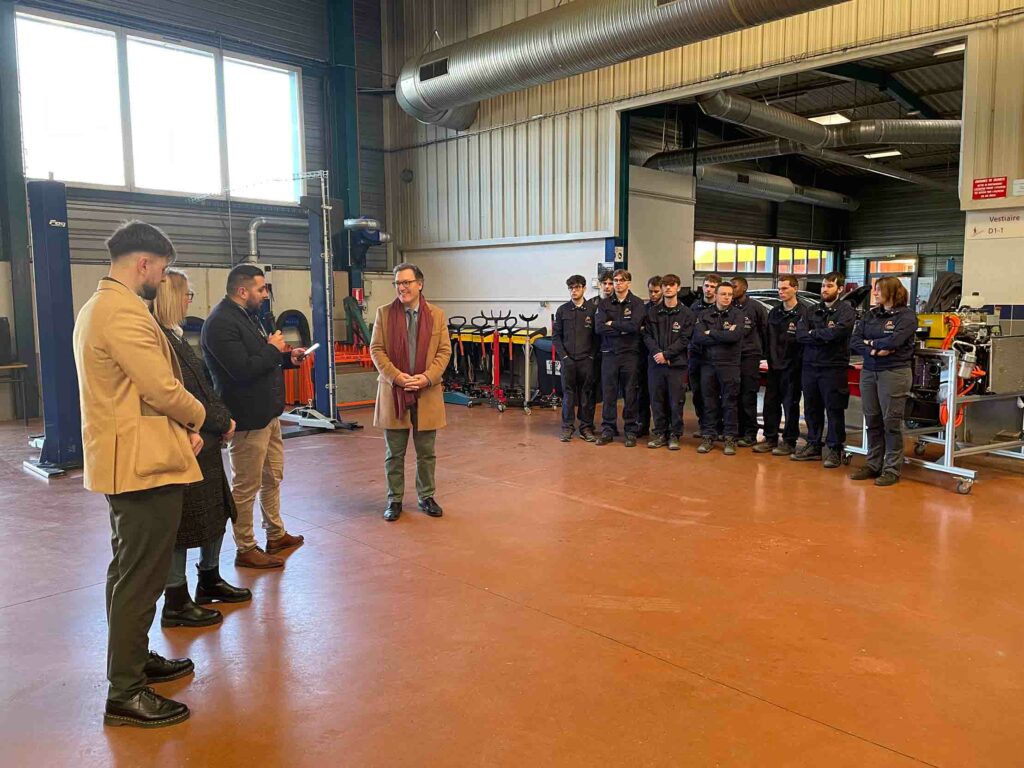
[(121, 35), (774, 248)]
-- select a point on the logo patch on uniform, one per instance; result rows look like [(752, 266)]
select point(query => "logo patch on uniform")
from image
[(676, 326), (747, 323), (831, 323), (792, 328), (588, 321), (890, 326), (627, 312)]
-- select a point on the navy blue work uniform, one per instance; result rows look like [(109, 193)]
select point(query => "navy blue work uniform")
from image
[(643, 407), (885, 381), (694, 362), (593, 302), (718, 338), (824, 331), (755, 333), (668, 330), (618, 325), (575, 344), (785, 361)]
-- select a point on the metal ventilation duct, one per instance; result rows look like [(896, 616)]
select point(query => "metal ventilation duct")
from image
[(740, 110), (444, 86), (767, 186), (681, 160)]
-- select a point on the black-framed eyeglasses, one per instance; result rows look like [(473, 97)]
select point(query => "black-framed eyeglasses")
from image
[(403, 283), (191, 295)]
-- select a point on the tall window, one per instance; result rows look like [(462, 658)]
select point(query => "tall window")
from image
[(70, 102), (731, 256), (196, 121)]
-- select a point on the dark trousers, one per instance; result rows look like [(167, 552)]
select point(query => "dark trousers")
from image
[(720, 387), (884, 397), (693, 366), (643, 404), (667, 386), (143, 528), (750, 383), (782, 394), (826, 393), (619, 373), (598, 389), (578, 393)]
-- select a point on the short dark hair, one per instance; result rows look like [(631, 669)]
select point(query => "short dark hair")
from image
[(791, 279), (575, 280), (670, 279), (605, 276), (417, 272), (712, 278), (139, 237), (835, 277), (241, 276), (741, 281), (723, 284), (623, 274), (655, 281)]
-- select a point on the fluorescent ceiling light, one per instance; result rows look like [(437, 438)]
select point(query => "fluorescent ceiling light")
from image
[(834, 119), (951, 49), (887, 153)]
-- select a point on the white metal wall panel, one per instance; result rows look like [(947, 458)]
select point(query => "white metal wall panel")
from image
[(516, 125)]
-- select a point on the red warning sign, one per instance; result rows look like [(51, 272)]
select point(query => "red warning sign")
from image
[(990, 189)]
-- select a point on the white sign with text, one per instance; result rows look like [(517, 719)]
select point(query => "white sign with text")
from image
[(995, 225)]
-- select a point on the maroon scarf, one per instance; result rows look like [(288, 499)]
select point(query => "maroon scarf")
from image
[(397, 342)]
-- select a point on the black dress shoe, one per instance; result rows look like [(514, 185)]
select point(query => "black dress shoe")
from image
[(180, 611), (430, 507), (161, 670), (212, 588), (146, 709), (393, 511)]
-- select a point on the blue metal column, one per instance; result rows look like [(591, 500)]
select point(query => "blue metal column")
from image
[(324, 357), (62, 444), (13, 210)]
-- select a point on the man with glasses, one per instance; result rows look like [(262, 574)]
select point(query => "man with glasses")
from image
[(574, 340), (410, 349), (618, 322)]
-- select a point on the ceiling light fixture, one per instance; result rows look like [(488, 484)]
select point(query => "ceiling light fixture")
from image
[(834, 119), (886, 153), (949, 50)]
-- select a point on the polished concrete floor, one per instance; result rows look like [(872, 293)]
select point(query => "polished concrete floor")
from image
[(576, 606)]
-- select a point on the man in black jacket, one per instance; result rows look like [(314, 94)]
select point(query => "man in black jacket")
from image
[(246, 364), (718, 340), (575, 343), (667, 332), (784, 362), (755, 325), (705, 300), (618, 324), (824, 332), (643, 421), (605, 291)]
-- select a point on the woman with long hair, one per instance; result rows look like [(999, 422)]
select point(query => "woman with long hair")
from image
[(885, 339), (208, 504)]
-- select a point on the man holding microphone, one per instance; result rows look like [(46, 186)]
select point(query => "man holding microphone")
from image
[(246, 363)]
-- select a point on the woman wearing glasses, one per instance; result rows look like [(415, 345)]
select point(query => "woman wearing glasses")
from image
[(208, 504)]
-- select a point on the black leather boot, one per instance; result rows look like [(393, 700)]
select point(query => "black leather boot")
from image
[(180, 611), (212, 588)]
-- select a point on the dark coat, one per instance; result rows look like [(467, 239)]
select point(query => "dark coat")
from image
[(619, 324), (208, 503), (892, 329), (668, 330), (246, 370)]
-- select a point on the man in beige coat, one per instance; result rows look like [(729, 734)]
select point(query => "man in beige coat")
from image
[(410, 348), (140, 433)]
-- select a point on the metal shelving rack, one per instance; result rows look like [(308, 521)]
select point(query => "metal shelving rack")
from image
[(946, 434)]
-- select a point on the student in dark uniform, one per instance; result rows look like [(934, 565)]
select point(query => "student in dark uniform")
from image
[(824, 332), (718, 337), (705, 300), (643, 422), (782, 394), (667, 332), (575, 343), (618, 322), (755, 325), (606, 289), (885, 339)]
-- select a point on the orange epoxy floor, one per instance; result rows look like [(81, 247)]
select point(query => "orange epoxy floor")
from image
[(576, 606)]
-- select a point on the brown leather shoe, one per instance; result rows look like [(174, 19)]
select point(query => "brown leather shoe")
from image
[(257, 558), (283, 542)]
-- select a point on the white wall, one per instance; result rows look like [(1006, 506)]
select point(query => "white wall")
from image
[(525, 278), (660, 226), (993, 260)]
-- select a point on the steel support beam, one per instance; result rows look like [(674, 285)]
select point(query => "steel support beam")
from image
[(886, 84), (14, 208)]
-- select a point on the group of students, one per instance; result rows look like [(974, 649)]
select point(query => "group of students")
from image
[(651, 352)]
